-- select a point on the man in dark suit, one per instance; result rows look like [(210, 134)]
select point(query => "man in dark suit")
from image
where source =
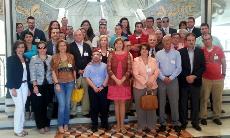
[(165, 27), (190, 80), (82, 54), (152, 41), (191, 28), (39, 35), (51, 44)]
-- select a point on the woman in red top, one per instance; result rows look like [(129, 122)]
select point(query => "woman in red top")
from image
[(119, 69)]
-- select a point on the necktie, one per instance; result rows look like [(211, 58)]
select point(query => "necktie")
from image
[(152, 53)]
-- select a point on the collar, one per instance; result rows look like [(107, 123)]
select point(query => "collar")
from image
[(31, 30), (79, 44), (189, 49)]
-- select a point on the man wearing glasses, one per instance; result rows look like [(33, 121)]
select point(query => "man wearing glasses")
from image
[(165, 27)]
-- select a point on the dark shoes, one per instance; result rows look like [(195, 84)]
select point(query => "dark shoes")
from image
[(197, 127), (162, 128), (183, 126), (177, 129), (203, 121), (94, 129), (217, 121)]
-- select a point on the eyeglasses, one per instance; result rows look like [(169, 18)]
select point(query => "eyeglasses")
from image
[(20, 47), (165, 21), (42, 47), (207, 39)]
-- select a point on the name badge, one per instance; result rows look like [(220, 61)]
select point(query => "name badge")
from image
[(173, 62), (37, 40), (70, 65), (216, 57), (86, 54)]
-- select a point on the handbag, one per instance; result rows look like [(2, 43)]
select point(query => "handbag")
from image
[(78, 92), (149, 101)]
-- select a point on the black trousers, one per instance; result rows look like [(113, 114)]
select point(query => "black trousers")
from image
[(40, 104), (98, 105), (28, 104), (194, 94)]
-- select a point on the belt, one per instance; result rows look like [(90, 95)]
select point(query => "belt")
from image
[(168, 76), (24, 81)]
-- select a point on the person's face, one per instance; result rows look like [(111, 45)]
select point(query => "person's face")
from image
[(204, 29), (64, 21), (144, 51), (103, 42), (165, 22), (118, 30), (191, 40), (159, 22), (78, 36), (182, 34), (31, 23), (207, 39), (183, 26), (138, 28), (127, 45), (62, 47), (83, 32), (175, 39), (20, 28), (96, 57), (103, 29), (85, 25), (190, 23), (42, 49), (124, 23), (69, 31), (54, 25), (119, 45), (62, 36), (159, 35), (20, 49), (167, 41), (28, 38), (152, 41), (149, 23), (55, 34)]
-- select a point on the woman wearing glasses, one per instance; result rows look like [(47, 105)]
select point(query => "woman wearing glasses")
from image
[(43, 90)]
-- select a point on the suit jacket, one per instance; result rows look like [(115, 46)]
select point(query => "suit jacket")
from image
[(14, 72), (198, 67), (49, 45), (38, 34), (196, 31), (81, 61), (171, 31)]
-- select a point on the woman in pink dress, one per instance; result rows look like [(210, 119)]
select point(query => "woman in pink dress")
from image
[(119, 69)]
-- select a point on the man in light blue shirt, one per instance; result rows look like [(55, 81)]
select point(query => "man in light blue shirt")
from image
[(205, 30), (169, 62), (97, 78)]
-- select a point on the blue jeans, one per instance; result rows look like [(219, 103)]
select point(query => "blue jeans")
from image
[(63, 97)]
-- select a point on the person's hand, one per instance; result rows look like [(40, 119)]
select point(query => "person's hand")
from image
[(80, 71), (58, 87), (100, 89), (14, 92), (35, 89), (167, 80), (96, 89), (190, 79), (149, 84), (119, 82)]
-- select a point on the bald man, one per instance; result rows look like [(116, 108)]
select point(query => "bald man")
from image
[(169, 62), (82, 54)]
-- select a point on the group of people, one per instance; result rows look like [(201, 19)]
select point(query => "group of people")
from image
[(121, 67)]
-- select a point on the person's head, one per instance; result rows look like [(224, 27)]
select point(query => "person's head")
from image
[(103, 29), (149, 22), (84, 34), (103, 41), (78, 36), (159, 22), (27, 37), (42, 48), (102, 21), (19, 28), (204, 28), (144, 23), (118, 29), (152, 40), (165, 22), (125, 24), (167, 41), (55, 34), (159, 35), (138, 27), (64, 21), (175, 38), (119, 44), (190, 40), (52, 25), (183, 25), (69, 30), (144, 50), (96, 56), (190, 22), (127, 45), (87, 26), (31, 22), (183, 33), (62, 35), (19, 47), (207, 39), (61, 46)]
